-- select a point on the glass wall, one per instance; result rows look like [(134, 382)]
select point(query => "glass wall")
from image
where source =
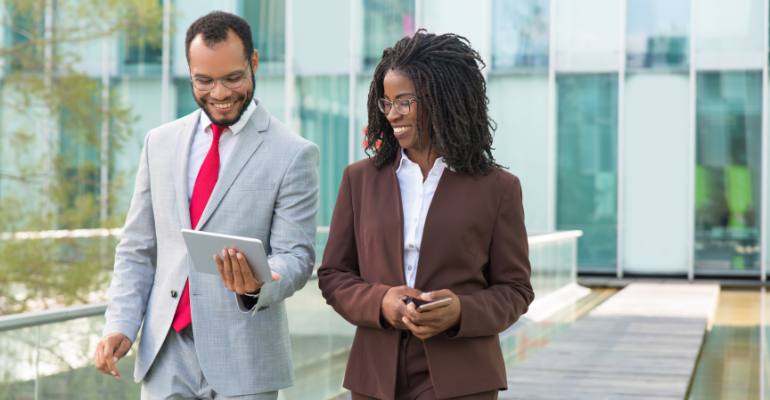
[(323, 102), (384, 23), (521, 34), (732, 26), (656, 174), (587, 35), (587, 123), (728, 171), (657, 34)]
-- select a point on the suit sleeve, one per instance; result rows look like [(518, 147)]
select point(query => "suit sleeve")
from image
[(339, 278), (293, 230), (135, 259), (492, 310)]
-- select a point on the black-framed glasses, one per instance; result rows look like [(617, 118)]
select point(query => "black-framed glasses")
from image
[(206, 83), (402, 106)]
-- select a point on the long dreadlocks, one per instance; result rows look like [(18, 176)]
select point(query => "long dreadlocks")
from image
[(447, 70)]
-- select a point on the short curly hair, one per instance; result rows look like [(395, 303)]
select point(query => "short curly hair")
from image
[(214, 27)]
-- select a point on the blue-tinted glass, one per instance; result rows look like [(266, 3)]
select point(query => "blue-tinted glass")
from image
[(185, 102), (385, 22), (587, 165), (728, 171), (658, 33), (267, 19), (520, 32), (323, 111)]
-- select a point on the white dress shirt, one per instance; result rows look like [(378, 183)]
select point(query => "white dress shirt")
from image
[(202, 142), (416, 197)]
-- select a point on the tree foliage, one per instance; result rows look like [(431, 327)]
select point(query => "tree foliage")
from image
[(51, 113)]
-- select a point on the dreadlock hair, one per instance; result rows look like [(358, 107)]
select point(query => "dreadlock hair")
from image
[(445, 69)]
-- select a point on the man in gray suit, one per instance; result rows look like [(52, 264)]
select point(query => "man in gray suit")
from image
[(231, 169)]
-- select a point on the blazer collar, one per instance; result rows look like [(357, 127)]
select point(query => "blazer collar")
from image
[(180, 167), (248, 142)]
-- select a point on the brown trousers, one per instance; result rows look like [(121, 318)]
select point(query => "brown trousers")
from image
[(413, 376)]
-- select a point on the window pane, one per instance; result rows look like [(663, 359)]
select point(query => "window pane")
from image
[(729, 26), (519, 105), (520, 34), (656, 174), (588, 35), (323, 113), (658, 33), (385, 22), (586, 199), (728, 171), (267, 19)]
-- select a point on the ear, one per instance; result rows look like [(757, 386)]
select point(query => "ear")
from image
[(255, 61)]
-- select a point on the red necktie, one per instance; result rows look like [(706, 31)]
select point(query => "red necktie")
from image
[(204, 185)]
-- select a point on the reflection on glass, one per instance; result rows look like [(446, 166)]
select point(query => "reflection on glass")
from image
[(520, 34), (323, 112), (267, 19), (587, 123), (587, 34), (729, 26), (385, 22), (658, 33), (728, 171)]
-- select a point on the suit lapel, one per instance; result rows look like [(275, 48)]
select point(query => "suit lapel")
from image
[(441, 206), (248, 142), (180, 168), (400, 241)]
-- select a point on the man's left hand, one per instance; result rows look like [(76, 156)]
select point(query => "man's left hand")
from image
[(236, 273), (431, 323)]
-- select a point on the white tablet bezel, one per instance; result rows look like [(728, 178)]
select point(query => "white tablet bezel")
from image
[(203, 245)]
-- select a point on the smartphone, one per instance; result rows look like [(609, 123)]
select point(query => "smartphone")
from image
[(434, 305)]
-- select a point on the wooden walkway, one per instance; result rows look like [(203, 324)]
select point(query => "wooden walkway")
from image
[(642, 343)]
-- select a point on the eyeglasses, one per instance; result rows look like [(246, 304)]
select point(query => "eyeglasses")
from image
[(402, 106), (206, 83)]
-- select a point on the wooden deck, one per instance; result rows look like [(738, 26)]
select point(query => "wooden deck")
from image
[(642, 343)]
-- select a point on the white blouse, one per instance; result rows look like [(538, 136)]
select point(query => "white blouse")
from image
[(416, 197)]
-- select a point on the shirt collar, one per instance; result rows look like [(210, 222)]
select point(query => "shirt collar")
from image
[(238, 127), (405, 159)]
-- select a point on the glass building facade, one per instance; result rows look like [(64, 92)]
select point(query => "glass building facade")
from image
[(642, 123)]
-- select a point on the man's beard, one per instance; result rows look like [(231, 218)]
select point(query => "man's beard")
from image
[(228, 122)]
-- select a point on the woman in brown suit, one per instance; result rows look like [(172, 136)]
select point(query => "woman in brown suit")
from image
[(429, 216)]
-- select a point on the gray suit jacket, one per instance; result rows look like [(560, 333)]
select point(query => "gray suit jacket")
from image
[(269, 191)]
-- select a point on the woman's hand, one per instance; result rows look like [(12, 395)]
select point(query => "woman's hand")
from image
[(393, 307), (428, 324)]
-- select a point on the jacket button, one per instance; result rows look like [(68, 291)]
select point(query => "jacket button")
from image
[(403, 334), (173, 294)]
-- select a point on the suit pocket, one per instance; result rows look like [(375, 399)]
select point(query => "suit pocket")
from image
[(252, 187)]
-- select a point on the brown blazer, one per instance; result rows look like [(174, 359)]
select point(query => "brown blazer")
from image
[(474, 244)]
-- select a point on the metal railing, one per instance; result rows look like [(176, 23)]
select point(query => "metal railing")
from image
[(41, 351)]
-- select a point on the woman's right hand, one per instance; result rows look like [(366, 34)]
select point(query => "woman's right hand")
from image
[(393, 307)]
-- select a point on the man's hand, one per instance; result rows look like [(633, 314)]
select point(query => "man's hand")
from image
[(393, 308), (431, 323), (109, 350), (236, 273)]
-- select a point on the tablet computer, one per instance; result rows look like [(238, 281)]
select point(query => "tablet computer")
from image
[(203, 245)]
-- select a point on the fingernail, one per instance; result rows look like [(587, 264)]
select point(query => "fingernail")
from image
[(215, 257), (223, 253), (114, 359), (240, 256), (113, 373), (232, 252)]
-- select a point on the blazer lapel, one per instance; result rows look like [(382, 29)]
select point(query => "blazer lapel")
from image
[(180, 168), (248, 142), (400, 241), (440, 207)]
